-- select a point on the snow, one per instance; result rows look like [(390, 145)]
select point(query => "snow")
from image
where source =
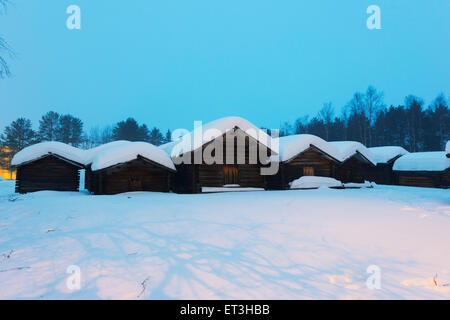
[(422, 161), (211, 130), (42, 149), (348, 149), (386, 154), (291, 146), (309, 182), (124, 152), (295, 244), (366, 184), (99, 157), (92, 153), (229, 189), (447, 148)]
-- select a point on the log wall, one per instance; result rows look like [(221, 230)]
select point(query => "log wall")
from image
[(48, 173), (289, 171), (136, 175)]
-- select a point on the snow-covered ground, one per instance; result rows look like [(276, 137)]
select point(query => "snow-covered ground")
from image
[(252, 245)]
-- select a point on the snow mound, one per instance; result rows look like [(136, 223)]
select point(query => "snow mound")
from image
[(422, 161), (386, 154), (447, 148), (211, 130), (291, 146), (348, 149), (310, 182), (43, 149), (366, 184), (124, 152)]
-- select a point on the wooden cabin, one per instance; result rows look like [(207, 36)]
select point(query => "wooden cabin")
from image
[(48, 166), (385, 157), (223, 168), (51, 172), (357, 162), (423, 169), (303, 155), (135, 166)]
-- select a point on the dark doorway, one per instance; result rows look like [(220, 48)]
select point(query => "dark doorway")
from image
[(231, 174)]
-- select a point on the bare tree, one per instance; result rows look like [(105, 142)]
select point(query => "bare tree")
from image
[(358, 114), (5, 50), (373, 101), (326, 114), (414, 120)]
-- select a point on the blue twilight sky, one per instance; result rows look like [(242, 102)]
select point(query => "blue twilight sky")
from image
[(170, 62)]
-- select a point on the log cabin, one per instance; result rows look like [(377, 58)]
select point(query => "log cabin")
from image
[(423, 169), (48, 166), (303, 155), (127, 167), (384, 157), (228, 152), (357, 161)]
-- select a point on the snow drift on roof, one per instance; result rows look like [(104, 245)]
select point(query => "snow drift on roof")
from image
[(386, 154), (291, 146), (92, 153), (422, 161), (214, 129), (447, 148), (42, 149), (348, 149), (124, 152)]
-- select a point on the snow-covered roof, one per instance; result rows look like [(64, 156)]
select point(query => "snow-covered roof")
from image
[(291, 146), (100, 157), (43, 149), (124, 152), (386, 154), (348, 149), (422, 161), (211, 130), (92, 153), (447, 148)]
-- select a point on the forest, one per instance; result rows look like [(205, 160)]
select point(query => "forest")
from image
[(365, 118)]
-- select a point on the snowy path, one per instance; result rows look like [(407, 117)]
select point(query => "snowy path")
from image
[(250, 245)]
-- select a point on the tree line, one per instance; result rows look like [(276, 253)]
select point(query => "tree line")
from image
[(69, 129), (365, 118)]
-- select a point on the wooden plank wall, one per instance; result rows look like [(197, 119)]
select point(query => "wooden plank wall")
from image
[(191, 177), (136, 175), (49, 173), (292, 170), (423, 179), (353, 170), (381, 174)]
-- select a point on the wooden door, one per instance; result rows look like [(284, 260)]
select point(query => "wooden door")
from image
[(308, 171), (231, 174)]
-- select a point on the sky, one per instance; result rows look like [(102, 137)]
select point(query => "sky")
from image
[(168, 63)]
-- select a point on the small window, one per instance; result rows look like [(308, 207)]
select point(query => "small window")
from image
[(308, 171)]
